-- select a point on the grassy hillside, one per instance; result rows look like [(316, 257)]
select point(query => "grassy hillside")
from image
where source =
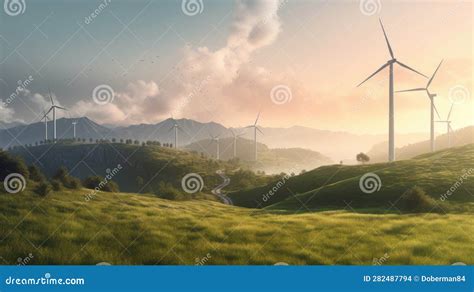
[(269, 160), (460, 137), (334, 186), (64, 228), (153, 164)]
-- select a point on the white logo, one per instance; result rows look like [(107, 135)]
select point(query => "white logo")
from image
[(281, 94), (14, 7), (103, 94), (458, 94), (14, 183), (192, 7), (192, 183), (370, 183), (370, 7)]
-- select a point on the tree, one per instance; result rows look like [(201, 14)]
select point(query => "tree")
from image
[(363, 158)]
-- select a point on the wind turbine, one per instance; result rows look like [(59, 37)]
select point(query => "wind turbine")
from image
[(236, 136), (431, 96), (74, 125), (46, 119), (255, 128), (175, 127), (448, 125), (216, 139), (53, 108), (391, 118)]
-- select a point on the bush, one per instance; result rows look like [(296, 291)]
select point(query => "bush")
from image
[(93, 182), (168, 192), (57, 185), (416, 200), (36, 174), (43, 189), (9, 164), (66, 180)]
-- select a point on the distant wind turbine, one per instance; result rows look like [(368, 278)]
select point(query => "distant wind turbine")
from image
[(216, 140), (53, 108), (46, 119), (449, 129), (391, 117), (255, 128), (175, 127), (74, 126), (236, 136), (431, 96)]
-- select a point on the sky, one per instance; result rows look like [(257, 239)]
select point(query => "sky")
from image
[(298, 62)]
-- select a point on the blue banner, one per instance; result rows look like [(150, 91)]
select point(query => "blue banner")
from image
[(237, 278)]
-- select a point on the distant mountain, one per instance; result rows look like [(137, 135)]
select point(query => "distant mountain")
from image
[(269, 160), (6, 125), (461, 137), (337, 145), (29, 134)]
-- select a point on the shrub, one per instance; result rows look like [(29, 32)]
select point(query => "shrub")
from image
[(9, 164), (57, 185), (36, 174), (168, 192), (416, 200), (93, 182), (43, 189), (66, 180)]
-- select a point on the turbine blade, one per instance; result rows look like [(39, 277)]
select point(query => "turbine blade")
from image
[(386, 39), (409, 68), (414, 89), (434, 74), (50, 96), (451, 128), (50, 109), (449, 115), (258, 116), (380, 69), (258, 129), (60, 107), (436, 110)]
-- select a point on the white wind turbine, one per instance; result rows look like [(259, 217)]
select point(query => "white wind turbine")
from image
[(255, 128), (53, 108), (431, 96), (216, 140), (46, 119), (449, 129), (391, 118), (175, 127), (74, 126), (236, 136)]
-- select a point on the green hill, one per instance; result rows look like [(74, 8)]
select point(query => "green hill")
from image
[(143, 168), (337, 186), (269, 160), (64, 228)]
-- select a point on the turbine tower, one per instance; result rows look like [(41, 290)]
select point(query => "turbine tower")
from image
[(255, 128), (391, 117), (431, 96), (46, 119), (236, 136), (216, 139), (449, 129), (53, 108), (74, 126)]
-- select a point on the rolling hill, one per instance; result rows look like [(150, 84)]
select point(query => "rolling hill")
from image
[(460, 137), (143, 167), (269, 160), (337, 186)]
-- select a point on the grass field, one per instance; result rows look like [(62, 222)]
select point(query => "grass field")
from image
[(63, 228)]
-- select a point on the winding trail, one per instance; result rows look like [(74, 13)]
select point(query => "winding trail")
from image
[(217, 191)]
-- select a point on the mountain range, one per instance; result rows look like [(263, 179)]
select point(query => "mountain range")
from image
[(338, 146)]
